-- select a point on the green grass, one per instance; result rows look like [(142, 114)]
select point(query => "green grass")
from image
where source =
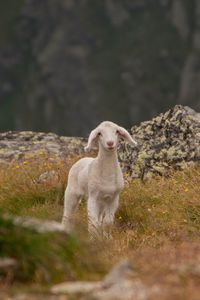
[(41, 257)]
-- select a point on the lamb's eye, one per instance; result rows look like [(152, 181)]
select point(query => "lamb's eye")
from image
[(99, 133), (117, 131)]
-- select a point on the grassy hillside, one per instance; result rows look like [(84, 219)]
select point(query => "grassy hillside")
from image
[(157, 227)]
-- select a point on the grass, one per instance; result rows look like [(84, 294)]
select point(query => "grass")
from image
[(29, 248), (162, 208), (157, 219)]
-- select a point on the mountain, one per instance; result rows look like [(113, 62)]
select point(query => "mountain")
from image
[(66, 65)]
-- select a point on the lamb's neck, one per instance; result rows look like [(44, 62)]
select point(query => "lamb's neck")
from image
[(107, 161)]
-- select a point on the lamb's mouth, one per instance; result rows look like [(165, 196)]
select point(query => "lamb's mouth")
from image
[(111, 148)]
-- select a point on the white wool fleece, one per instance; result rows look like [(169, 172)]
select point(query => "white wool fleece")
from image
[(99, 179)]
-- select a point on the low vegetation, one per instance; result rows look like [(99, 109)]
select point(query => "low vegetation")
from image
[(157, 227)]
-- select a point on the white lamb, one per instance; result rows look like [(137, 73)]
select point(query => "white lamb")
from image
[(100, 179)]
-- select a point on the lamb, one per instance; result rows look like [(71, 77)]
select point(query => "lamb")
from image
[(100, 179)]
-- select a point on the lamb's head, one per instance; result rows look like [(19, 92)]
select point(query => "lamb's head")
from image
[(107, 135)]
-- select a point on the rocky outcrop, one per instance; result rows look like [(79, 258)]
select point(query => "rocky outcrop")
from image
[(168, 141), (16, 146)]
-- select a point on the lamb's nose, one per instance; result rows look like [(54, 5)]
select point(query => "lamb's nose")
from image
[(110, 143)]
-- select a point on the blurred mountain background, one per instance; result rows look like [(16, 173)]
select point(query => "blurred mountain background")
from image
[(66, 65)]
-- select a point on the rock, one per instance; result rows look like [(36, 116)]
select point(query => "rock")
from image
[(48, 177), (36, 296), (7, 265), (41, 226), (125, 289), (122, 270), (7, 268), (188, 268), (7, 262), (19, 146), (77, 287), (119, 284), (168, 141)]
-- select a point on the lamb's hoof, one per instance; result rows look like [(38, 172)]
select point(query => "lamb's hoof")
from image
[(100, 236), (66, 225), (107, 236)]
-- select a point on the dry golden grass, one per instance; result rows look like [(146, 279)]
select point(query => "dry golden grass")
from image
[(21, 191), (157, 224)]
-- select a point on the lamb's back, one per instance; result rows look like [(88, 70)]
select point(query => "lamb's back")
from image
[(78, 175)]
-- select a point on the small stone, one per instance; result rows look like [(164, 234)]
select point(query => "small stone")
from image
[(41, 226), (7, 263), (123, 270), (77, 287), (48, 176)]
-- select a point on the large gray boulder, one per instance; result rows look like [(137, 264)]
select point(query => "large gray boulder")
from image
[(169, 141)]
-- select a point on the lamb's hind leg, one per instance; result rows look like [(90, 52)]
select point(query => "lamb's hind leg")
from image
[(71, 200)]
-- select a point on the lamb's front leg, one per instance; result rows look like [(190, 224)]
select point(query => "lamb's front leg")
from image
[(94, 217), (109, 215), (101, 217)]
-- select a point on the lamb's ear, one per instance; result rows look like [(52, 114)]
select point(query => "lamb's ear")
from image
[(92, 140), (124, 134)]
